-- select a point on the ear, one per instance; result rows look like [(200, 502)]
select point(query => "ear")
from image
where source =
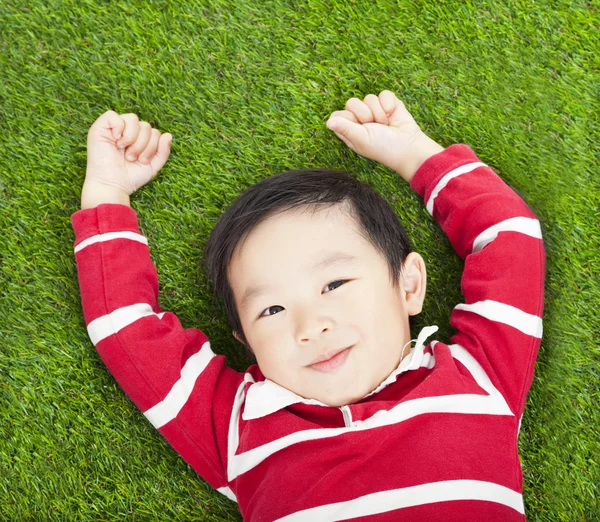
[(237, 336), (249, 351), (414, 283)]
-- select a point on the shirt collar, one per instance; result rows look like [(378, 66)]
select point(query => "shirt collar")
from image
[(265, 397)]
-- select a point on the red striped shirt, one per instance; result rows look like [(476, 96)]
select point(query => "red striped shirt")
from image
[(436, 440)]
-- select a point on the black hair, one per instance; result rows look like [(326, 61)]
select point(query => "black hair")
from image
[(313, 189)]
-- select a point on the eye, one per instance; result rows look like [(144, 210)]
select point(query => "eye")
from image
[(268, 310), (272, 310), (335, 284)]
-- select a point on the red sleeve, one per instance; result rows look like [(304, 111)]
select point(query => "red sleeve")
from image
[(499, 237), (169, 372)]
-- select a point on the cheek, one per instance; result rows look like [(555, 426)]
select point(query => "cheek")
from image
[(276, 359), (378, 311), (269, 342)]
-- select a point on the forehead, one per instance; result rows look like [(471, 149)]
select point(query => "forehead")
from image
[(298, 241), (299, 233)]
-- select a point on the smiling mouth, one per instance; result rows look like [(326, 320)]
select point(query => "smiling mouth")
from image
[(333, 363)]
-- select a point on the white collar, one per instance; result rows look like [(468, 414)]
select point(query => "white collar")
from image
[(265, 397)]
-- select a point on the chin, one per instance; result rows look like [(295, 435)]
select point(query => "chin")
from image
[(334, 403), (341, 400)]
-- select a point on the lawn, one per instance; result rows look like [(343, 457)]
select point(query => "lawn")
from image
[(245, 89)]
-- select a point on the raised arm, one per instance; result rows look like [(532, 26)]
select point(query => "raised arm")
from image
[(169, 372), (499, 237)]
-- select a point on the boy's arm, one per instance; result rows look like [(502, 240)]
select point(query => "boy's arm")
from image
[(169, 372), (94, 194), (499, 237)]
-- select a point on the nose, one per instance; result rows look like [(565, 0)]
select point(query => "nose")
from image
[(311, 325)]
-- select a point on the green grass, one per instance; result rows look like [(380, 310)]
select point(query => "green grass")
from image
[(245, 88)]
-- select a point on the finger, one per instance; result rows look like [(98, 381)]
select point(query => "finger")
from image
[(345, 114), (132, 125), (374, 104), (360, 109), (393, 107), (150, 150), (388, 101), (164, 150), (352, 134), (335, 126), (143, 137)]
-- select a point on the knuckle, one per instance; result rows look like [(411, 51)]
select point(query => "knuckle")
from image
[(351, 116)]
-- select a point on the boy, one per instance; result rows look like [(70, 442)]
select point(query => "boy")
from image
[(339, 419)]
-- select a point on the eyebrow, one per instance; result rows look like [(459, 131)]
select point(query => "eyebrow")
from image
[(336, 257)]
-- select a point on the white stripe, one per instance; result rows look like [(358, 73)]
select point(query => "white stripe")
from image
[(528, 226), (233, 435), (109, 236), (167, 409), (520, 421), (109, 324), (506, 314), (499, 406), (451, 175), (225, 490), (386, 501), (459, 403)]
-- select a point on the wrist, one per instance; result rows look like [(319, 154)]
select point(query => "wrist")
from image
[(421, 149), (94, 193)]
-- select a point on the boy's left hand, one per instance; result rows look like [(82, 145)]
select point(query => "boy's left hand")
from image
[(379, 128)]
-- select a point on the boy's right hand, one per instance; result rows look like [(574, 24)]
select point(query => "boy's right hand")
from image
[(381, 128), (123, 155)]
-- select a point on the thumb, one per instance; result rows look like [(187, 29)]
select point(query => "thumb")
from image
[(352, 134), (115, 123), (108, 123)]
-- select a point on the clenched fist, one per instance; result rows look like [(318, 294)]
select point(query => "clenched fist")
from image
[(124, 154), (381, 128)]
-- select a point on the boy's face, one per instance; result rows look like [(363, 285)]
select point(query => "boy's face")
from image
[(294, 306)]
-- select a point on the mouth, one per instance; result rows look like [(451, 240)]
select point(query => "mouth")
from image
[(332, 362)]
